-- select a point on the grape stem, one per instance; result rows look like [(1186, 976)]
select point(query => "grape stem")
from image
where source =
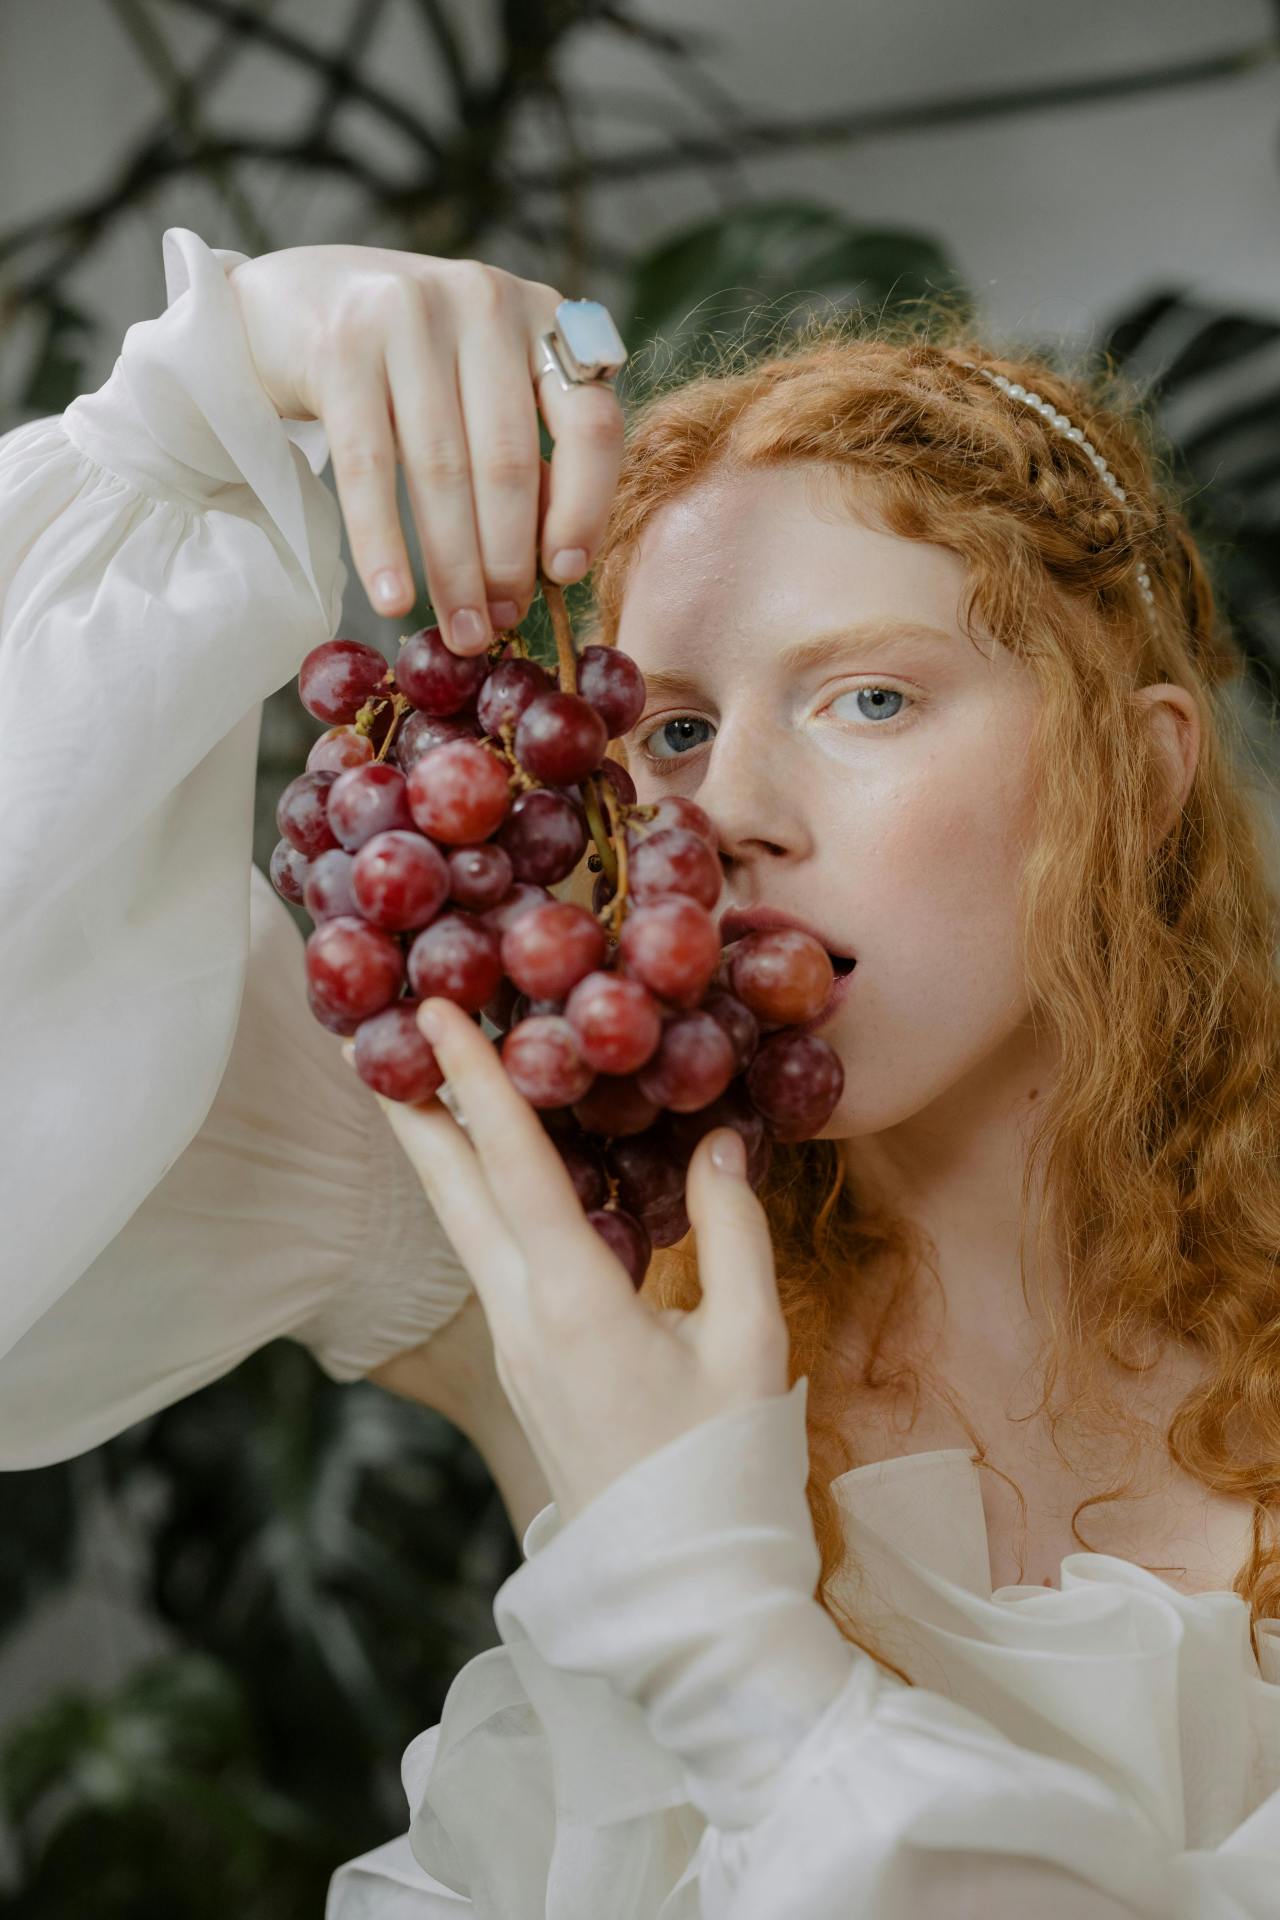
[(590, 789), (618, 836), (565, 656)]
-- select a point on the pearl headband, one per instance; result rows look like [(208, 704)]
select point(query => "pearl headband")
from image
[(1060, 422)]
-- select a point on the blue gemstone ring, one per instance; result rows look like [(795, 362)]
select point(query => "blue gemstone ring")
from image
[(583, 346)]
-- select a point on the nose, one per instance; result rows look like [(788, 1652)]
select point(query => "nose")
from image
[(756, 796)]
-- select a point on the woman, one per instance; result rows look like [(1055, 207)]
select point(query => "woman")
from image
[(1061, 1025)]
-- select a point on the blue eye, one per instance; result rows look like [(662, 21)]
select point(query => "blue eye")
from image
[(676, 736), (877, 711), (676, 732)]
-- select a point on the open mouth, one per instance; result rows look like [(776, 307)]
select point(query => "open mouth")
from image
[(842, 963)]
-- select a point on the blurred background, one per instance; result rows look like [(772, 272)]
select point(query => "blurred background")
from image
[(219, 1631)]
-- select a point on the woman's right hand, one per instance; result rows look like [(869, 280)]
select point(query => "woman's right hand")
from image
[(433, 363)]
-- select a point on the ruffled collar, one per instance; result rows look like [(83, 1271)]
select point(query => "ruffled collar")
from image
[(1156, 1690)]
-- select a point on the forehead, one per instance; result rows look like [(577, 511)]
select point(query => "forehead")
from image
[(774, 552)]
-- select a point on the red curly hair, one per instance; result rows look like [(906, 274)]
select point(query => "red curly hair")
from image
[(1153, 970)]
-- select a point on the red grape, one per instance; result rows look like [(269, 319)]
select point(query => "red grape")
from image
[(521, 898), (288, 871), (354, 969), (666, 1225), (393, 1057), (436, 679), (738, 1022), (544, 1061), (457, 958), (459, 793), (614, 685), (419, 732), (675, 861), (400, 880), (335, 1022), (648, 1177), (499, 1008), (340, 748), (674, 810), (549, 950), (508, 690), (583, 1168), (367, 800), (625, 1236), (693, 1063), (328, 891), (795, 1080), (617, 1021), (479, 876), (672, 945), (301, 813), (545, 837), (732, 1109), (782, 974), (338, 677), (620, 780), (560, 739), (614, 1105)]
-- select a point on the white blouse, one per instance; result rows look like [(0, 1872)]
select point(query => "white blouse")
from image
[(188, 1168), (672, 1728)]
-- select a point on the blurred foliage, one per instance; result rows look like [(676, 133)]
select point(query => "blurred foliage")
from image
[(323, 1558)]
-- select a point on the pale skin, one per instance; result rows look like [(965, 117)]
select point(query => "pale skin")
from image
[(903, 848)]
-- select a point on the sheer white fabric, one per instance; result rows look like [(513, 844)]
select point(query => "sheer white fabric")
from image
[(181, 1179), (673, 1729)]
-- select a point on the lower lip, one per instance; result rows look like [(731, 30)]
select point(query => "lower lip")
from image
[(834, 1001)]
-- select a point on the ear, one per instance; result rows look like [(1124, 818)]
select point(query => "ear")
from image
[(1175, 731)]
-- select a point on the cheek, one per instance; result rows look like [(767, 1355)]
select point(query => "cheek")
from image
[(927, 872)]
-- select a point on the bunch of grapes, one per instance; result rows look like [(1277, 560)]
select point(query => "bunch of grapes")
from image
[(447, 799)]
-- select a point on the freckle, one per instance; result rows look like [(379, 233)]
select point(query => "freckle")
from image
[(1034, 1093)]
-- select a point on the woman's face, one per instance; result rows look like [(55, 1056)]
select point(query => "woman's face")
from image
[(876, 790)]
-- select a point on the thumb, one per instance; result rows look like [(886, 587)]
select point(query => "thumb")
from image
[(735, 1252)]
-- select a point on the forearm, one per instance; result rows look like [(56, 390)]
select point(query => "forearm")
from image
[(516, 1473)]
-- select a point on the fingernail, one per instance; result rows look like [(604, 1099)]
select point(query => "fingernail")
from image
[(387, 588), (470, 630), (728, 1153), (349, 1052), (569, 563), (428, 1022), (503, 613)]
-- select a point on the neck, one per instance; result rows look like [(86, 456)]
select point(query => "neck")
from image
[(954, 1171)]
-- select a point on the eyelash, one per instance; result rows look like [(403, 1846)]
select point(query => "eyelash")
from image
[(663, 767)]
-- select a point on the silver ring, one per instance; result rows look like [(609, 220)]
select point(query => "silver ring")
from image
[(584, 347)]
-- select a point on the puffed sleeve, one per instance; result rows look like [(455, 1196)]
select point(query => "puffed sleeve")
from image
[(187, 1166), (829, 1787)]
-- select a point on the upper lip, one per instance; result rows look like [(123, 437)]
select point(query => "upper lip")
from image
[(738, 921)]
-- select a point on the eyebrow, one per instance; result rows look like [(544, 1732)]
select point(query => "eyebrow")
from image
[(818, 651)]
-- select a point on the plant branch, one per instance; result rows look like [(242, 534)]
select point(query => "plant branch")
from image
[(183, 112), (392, 111), (779, 136)]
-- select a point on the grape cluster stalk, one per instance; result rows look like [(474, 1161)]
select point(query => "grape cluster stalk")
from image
[(447, 799)]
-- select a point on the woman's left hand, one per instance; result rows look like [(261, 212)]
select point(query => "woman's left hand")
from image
[(597, 1379)]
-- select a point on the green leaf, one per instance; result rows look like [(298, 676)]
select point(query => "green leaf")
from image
[(746, 270)]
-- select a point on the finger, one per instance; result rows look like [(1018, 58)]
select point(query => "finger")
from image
[(735, 1251), (355, 408), (421, 360), (453, 1180), (588, 428), (500, 417), (525, 1173)]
